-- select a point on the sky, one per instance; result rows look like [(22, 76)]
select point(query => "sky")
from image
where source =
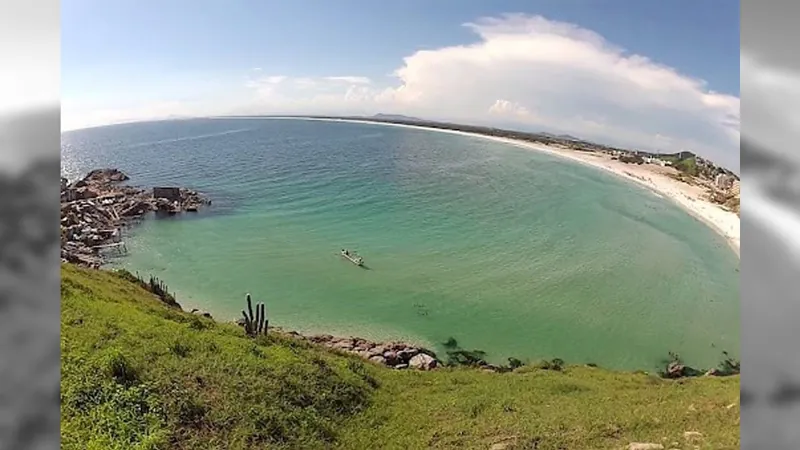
[(642, 74)]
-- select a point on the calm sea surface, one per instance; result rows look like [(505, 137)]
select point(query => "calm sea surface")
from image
[(509, 251)]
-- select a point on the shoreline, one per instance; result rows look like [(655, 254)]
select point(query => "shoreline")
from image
[(722, 222)]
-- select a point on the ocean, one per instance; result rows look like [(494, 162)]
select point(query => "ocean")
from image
[(509, 251)]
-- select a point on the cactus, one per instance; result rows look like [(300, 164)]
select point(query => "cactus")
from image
[(255, 324), (249, 309), (264, 324)]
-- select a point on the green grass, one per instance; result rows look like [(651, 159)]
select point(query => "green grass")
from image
[(137, 374)]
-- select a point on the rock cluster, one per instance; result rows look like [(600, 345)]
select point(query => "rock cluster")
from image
[(398, 355), (95, 208)]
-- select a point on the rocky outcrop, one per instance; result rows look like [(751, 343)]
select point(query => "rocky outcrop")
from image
[(105, 176), (676, 370), (96, 208), (395, 354), (200, 312)]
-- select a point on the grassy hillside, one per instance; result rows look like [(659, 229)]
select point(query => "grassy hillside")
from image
[(138, 374)]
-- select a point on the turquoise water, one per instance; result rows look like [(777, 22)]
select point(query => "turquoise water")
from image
[(509, 251)]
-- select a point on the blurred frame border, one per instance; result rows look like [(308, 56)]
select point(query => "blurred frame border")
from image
[(30, 129), (770, 274)]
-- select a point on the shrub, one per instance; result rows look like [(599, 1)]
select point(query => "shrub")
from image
[(556, 364)]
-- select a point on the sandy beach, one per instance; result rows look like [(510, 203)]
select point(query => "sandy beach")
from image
[(690, 198)]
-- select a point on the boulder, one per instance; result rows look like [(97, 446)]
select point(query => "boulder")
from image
[(346, 345), (691, 435), (320, 338), (645, 446), (84, 193), (391, 357), (422, 362), (675, 370), (401, 366), (378, 359), (397, 346), (202, 313), (678, 370), (501, 446), (374, 352), (362, 353), (105, 176), (407, 353)]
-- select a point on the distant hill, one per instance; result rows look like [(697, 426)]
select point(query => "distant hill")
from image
[(397, 117), (562, 136), (684, 155)]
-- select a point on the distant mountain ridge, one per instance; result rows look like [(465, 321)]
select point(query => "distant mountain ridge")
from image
[(561, 136)]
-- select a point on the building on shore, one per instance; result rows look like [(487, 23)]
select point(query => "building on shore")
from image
[(724, 181), (657, 161), (736, 188)]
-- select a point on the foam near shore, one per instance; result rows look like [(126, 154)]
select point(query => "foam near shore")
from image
[(691, 198)]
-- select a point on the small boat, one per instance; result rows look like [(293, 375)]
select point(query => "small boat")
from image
[(352, 257)]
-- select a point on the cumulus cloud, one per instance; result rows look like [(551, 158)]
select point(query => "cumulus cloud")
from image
[(507, 109), (577, 81), (535, 74)]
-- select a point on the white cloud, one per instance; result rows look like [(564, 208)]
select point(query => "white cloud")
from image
[(534, 73), (350, 80), (507, 109)]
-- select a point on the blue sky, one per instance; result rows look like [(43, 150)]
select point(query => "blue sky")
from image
[(128, 55), (141, 41)]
